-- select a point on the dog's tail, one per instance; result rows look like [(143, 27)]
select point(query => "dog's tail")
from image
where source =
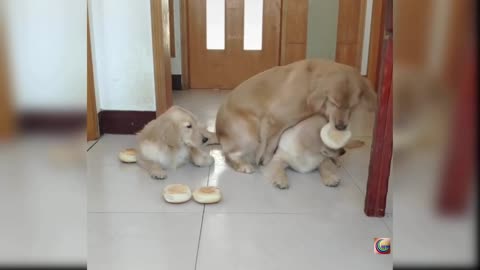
[(354, 144)]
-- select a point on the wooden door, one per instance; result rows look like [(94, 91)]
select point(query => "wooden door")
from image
[(239, 51)]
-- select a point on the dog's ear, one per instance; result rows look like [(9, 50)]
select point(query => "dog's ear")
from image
[(367, 96), (168, 133)]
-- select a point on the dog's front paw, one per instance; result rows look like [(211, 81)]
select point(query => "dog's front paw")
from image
[(281, 183), (331, 181), (280, 179), (203, 160), (245, 168), (158, 174), (209, 160)]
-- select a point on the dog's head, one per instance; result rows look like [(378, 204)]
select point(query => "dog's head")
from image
[(182, 126), (337, 95)]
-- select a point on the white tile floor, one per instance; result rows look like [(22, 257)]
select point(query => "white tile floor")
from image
[(256, 226)]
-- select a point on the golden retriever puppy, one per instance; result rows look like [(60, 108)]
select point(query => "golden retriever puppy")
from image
[(254, 115), (302, 149), (171, 140)]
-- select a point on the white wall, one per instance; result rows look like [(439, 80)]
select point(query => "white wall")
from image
[(123, 57), (47, 40)]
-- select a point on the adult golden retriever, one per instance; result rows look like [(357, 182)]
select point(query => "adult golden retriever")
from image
[(254, 115)]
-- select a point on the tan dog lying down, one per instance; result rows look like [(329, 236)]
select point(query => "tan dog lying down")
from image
[(171, 140), (302, 149), (254, 115)]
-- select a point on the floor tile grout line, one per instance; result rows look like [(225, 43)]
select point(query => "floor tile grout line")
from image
[(353, 179), (94, 143), (199, 239), (386, 225), (140, 212), (201, 222), (385, 222), (364, 194)]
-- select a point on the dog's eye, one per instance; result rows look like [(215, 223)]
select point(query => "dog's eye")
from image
[(189, 126)]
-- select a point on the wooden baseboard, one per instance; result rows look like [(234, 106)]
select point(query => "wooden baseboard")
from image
[(124, 122), (51, 121), (177, 82)]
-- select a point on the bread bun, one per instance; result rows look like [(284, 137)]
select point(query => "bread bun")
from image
[(128, 155), (177, 193), (207, 195), (334, 138)]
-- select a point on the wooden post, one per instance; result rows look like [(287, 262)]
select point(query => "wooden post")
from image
[(381, 153), (382, 143)]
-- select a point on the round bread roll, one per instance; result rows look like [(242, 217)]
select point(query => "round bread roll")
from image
[(207, 195), (333, 137), (128, 155), (177, 193)]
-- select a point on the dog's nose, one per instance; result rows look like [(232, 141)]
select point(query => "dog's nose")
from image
[(341, 126), (205, 139), (342, 152)]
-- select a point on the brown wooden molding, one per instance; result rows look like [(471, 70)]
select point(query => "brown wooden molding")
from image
[(92, 119), (161, 54), (124, 122), (51, 122), (7, 112), (177, 82)]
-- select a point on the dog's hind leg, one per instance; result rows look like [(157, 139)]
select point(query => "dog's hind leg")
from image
[(275, 172), (237, 161), (270, 132), (327, 173), (271, 146), (154, 169), (263, 137)]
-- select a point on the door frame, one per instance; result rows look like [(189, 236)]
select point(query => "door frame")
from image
[(92, 117), (160, 21), (7, 112)]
